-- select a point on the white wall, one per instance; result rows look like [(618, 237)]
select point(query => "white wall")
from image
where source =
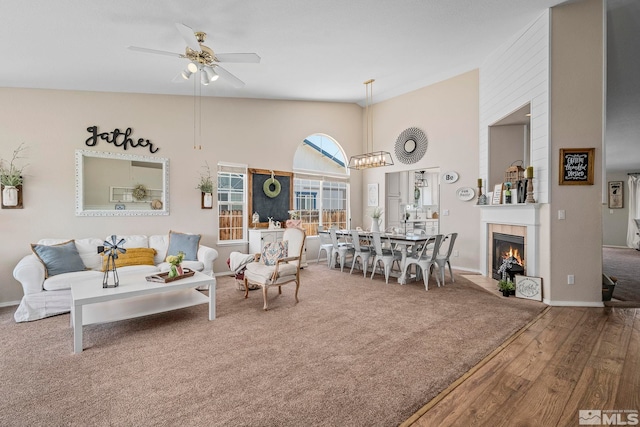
[(447, 112), (259, 133), (577, 117), (517, 73)]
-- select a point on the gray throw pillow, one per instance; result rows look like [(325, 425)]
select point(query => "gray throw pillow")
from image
[(187, 243), (58, 259)]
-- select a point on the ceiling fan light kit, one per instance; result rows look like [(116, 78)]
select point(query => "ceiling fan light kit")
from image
[(202, 58), (371, 159)]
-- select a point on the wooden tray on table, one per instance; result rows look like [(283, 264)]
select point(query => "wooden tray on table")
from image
[(164, 277)]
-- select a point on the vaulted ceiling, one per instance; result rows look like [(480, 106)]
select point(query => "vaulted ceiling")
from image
[(310, 50)]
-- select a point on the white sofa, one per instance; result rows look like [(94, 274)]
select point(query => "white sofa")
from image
[(45, 297)]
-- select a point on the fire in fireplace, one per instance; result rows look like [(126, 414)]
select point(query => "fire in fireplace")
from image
[(508, 246)]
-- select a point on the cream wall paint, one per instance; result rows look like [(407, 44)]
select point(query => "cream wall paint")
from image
[(577, 58), (259, 133), (448, 114)]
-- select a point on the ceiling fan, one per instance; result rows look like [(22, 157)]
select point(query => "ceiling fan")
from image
[(203, 59)]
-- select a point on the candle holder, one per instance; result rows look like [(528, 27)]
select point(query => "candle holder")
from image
[(482, 198), (530, 198)]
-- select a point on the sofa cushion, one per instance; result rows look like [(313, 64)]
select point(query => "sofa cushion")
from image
[(262, 273), (64, 280), (60, 258), (182, 242), (273, 251), (132, 241), (133, 256), (88, 250)]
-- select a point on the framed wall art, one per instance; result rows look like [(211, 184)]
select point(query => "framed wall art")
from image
[(616, 194), (576, 166), (372, 195)]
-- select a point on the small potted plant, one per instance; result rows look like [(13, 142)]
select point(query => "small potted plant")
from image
[(11, 178), (506, 286), (206, 187)]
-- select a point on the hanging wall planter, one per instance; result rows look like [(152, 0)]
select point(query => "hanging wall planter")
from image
[(11, 197)]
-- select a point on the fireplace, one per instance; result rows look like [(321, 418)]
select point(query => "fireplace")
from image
[(508, 246)]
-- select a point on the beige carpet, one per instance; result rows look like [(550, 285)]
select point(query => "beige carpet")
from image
[(353, 352)]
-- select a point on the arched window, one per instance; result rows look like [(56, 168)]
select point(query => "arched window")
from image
[(321, 184)]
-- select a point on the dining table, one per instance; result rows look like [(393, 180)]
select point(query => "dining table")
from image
[(402, 240)]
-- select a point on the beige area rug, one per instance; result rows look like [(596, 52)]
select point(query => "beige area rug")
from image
[(353, 352)]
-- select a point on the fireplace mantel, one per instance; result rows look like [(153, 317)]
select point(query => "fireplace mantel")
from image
[(526, 215)]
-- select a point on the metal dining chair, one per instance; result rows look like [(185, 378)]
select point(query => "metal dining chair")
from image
[(340, 250), (443, 259), (360, 251), (325, 245), (385, 256), (425, 259)]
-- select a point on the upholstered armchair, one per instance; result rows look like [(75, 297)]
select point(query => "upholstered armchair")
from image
[(277, 264)]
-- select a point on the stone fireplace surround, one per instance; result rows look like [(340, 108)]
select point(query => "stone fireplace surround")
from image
[(518, 220)]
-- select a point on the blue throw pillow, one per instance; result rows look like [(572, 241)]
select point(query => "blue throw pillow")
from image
[(187, 243), (58, 259)]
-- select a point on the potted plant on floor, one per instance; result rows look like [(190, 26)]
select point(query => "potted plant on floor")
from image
[(506, 286)]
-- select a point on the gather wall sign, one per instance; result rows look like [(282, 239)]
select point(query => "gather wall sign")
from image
[(118, 139)]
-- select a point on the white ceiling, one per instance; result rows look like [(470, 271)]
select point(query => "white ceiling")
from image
[(310, 49)]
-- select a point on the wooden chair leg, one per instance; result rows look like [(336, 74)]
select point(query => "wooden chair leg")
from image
[(279, 290), (297, 287), (246, 288), (264, 295)]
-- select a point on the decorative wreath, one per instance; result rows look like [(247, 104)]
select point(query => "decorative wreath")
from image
[(139, 192), (266, 187)]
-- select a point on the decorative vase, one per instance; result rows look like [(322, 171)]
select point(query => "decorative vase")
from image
[(175, 271), (10, 196), (207, 200), (375, 224)]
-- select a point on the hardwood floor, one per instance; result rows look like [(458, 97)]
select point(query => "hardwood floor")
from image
[(568, 359)]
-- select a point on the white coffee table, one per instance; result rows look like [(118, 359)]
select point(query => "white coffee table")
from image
[(134, 297)]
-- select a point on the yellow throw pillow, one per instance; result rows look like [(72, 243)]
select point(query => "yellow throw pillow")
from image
[(133, 256)]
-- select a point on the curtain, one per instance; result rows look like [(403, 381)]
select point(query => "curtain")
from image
[(634, 212)]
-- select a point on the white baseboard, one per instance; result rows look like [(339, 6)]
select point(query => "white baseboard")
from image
[(617, 247), (9, 303), (573, 303)]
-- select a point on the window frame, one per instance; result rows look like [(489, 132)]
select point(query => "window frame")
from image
[(232, 169)]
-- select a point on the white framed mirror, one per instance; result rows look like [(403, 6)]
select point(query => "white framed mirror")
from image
[(115, 184)]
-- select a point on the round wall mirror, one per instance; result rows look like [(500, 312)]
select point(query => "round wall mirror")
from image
[(411, 145)]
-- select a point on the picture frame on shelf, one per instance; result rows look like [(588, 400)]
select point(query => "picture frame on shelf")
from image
[(497, 195), (616, 194)]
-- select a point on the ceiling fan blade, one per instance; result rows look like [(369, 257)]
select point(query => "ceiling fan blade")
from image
[(248, 58), (188, 35), (233, 80), (157, 52)]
